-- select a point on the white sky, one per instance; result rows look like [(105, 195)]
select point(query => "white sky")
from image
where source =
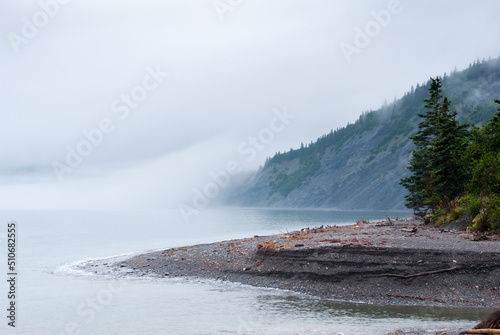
[(231, 65)]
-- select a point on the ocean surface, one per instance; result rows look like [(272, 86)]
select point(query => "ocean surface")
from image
[(54, 298)]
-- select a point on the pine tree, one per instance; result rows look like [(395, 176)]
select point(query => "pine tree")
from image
[(437, 172), (417, 182), (448, 173)]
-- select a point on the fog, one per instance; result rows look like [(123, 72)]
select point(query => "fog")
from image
[(128, 104)]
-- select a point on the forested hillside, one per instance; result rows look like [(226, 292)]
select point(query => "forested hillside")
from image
[(360, 166)]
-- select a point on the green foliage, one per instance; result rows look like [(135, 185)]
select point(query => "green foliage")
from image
[(475, 205), (453, 211), (488, 218), (439, 174), (457, 213), (437, 171), (481, 197), (446, 164), (455, 173), (416, 183), (484, 212), (480, 213), (484, 154)]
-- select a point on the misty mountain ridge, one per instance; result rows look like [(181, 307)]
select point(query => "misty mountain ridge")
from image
[(358, 167)]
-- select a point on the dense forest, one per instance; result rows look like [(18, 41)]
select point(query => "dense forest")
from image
[(359, 166), (455, 167)]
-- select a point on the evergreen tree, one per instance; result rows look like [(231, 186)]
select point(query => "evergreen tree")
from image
[(417, 182), (448, 173), (437, 171)]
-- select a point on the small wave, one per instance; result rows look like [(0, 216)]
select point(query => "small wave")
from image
[(81, 267)]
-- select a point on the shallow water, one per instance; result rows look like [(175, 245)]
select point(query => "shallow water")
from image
[(54, 298)]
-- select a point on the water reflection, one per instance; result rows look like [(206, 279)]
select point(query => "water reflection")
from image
[(319, 308)]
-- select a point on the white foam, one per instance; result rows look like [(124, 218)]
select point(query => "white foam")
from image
[(78, 267)]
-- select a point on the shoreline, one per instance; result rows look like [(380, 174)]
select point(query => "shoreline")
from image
[(401, 262)]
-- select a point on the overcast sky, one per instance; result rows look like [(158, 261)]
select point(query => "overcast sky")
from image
[(135, 104)]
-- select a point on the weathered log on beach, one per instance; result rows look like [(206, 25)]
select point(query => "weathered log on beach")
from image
[(483, 331), (410, 230), (419, 274), (492, 322)]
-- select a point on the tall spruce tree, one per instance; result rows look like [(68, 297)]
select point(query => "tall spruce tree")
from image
[(437, 172), (447, 167)]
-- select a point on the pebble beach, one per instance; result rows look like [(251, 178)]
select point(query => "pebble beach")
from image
[(399, 262), (393, 262)]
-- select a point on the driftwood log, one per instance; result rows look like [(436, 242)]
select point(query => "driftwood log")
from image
[(410, 230), (419, 274), (492, 321), (483, 331)]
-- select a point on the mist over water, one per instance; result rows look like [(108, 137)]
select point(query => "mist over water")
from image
[(136, 111), (116, 114)]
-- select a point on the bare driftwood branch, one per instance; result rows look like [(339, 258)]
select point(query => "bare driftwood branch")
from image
[(419, 274), (492, 321), (410, 230), (385, 223), (483, 331)]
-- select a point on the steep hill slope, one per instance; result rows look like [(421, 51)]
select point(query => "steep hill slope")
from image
[(359, 166)]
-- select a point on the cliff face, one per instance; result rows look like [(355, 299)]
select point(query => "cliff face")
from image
[(345, 179), (359, 166)]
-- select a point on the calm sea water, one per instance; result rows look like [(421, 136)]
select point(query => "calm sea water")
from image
[(53, 298)]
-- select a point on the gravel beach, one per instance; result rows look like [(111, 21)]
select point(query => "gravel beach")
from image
[(394, 262), (401, 262)]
